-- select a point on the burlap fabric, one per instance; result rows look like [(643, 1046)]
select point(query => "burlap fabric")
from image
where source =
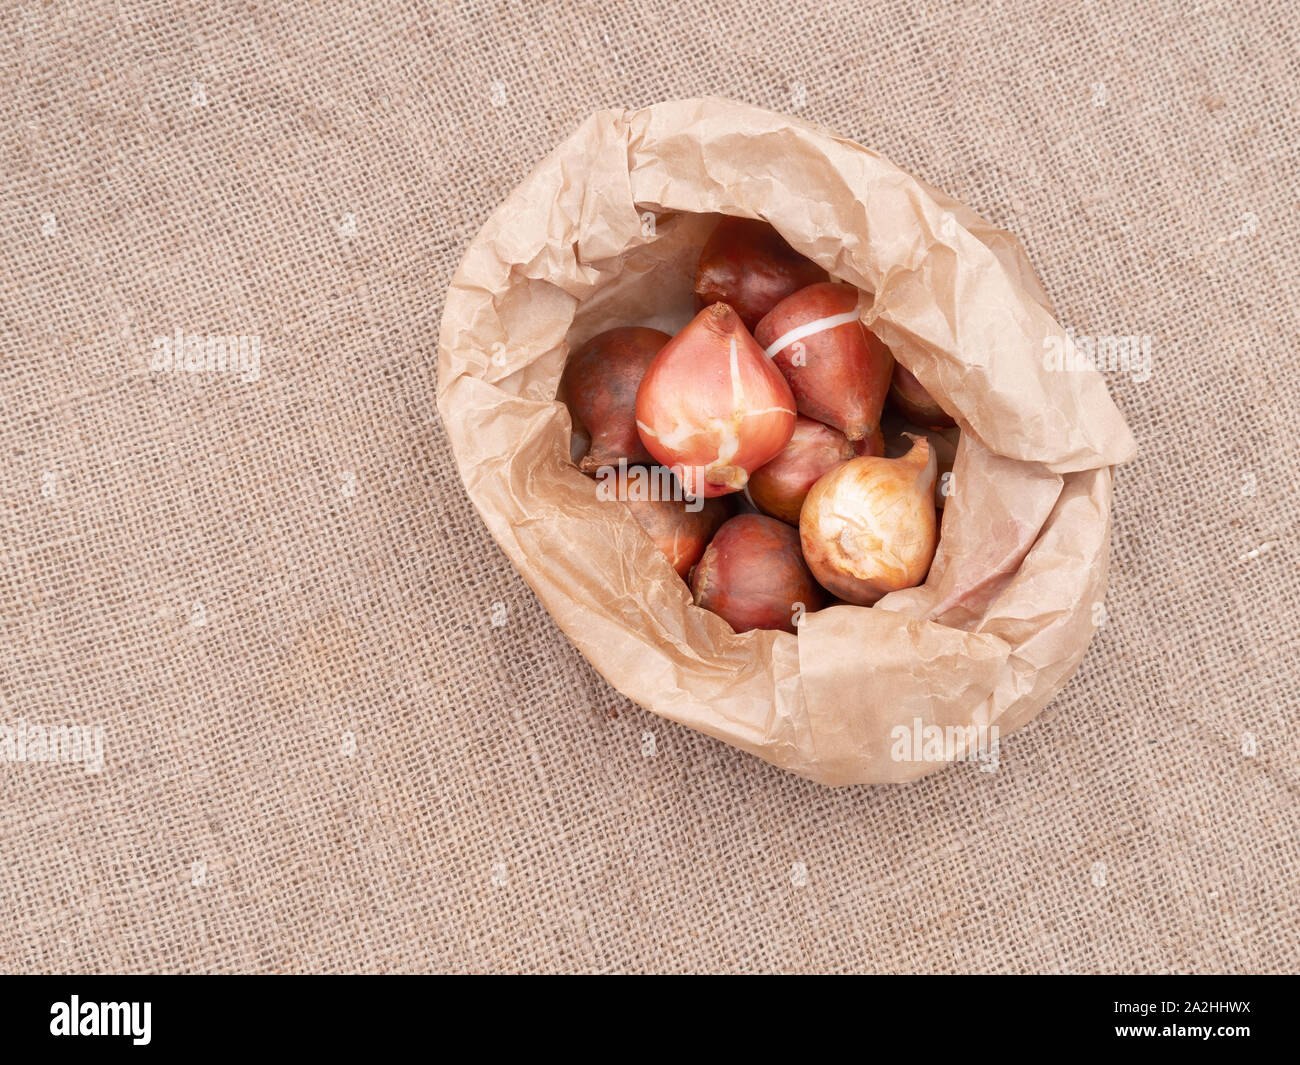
[(340, 733)]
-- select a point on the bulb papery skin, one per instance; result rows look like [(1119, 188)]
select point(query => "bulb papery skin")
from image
[(868, 527), (600, 383), (779, 487), (748, 265), (680, 530), (712, 407), (908, 396), (753, 576), (838, 370)]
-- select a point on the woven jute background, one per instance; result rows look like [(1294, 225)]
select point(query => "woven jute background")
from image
[(339, 733)]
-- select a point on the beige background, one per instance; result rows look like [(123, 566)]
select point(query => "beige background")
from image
[(312, 175)]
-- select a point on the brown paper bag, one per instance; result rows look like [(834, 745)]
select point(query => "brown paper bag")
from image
[(606, 232)]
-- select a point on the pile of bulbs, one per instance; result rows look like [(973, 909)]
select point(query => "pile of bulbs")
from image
[(774, 394)]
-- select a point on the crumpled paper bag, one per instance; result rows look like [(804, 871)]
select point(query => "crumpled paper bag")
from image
[(606, 232)]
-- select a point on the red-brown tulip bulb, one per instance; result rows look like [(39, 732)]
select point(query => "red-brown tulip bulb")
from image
[(753, 576), (838, 370), (600, 383), (779, 487), (908, 396), (748, 265)]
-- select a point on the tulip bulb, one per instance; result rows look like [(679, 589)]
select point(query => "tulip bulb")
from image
[(599, 384), (748, 265), (712, 407), (943, 442), (681, 530), (908, 396), (753, 576), (868, 527), (779, 487), (838, 370)]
